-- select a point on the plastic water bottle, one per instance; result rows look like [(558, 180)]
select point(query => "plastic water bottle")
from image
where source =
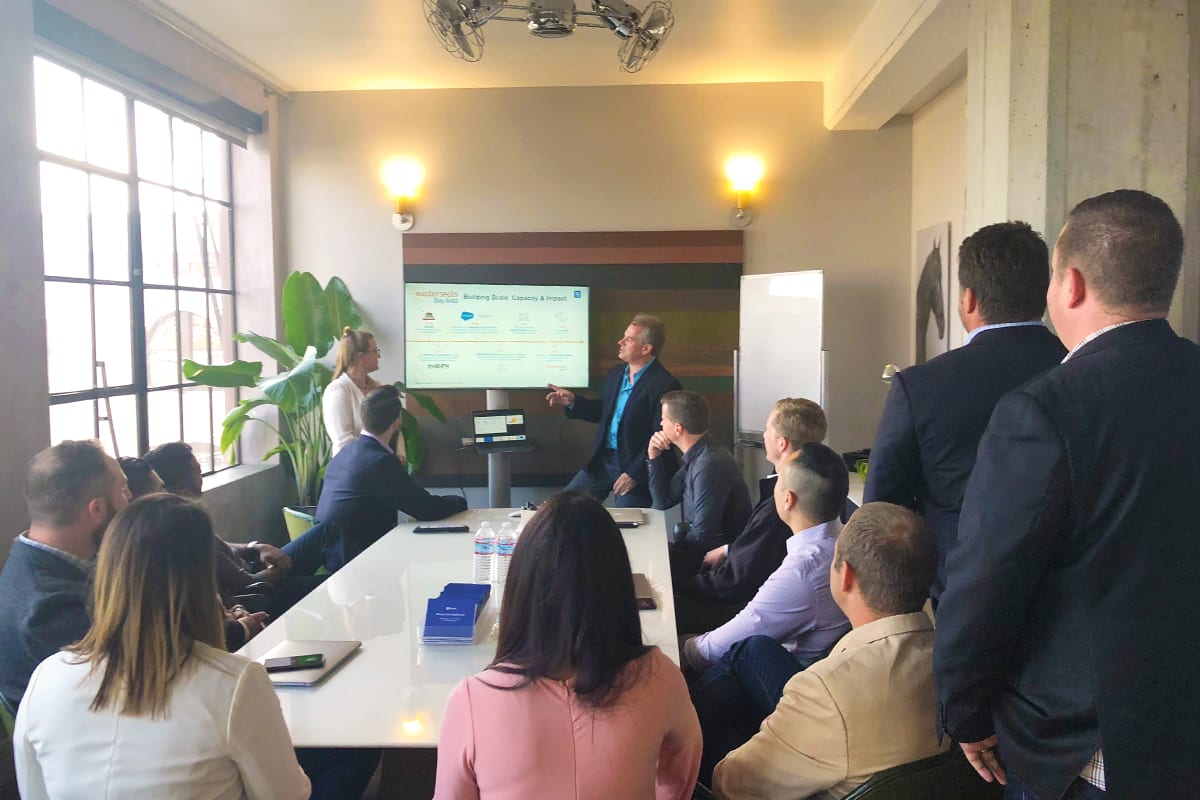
[(485, 552), (506, 540)]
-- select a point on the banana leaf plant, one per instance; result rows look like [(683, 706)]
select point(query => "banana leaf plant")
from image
[(313, 319)]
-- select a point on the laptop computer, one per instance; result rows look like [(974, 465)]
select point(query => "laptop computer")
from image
[(500, 430), (335, 654)]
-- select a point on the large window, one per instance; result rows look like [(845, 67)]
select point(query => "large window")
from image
[(137, 227)]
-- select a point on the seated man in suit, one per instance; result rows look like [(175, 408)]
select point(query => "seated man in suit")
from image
[(793, 606), (869, 705), (733, 572), (627, 414), (716, 503), (365, 486), (936, 412), (73, 490)]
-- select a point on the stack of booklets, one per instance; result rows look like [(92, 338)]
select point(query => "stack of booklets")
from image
[(450, 617)]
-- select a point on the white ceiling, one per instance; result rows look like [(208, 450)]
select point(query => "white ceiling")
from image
[(328, 45)]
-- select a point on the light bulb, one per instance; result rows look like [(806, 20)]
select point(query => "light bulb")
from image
[(402, 176), (744, 172)]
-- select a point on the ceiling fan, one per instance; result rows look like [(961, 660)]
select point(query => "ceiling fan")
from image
[(458, 23)]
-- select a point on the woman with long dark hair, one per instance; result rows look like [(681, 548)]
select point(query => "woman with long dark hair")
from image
[(574, 705)]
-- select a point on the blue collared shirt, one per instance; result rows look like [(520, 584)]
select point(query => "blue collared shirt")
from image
[(622, 399), (794, 605), (1000, 325)]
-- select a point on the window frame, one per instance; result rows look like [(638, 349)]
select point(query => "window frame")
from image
[(139, 388)]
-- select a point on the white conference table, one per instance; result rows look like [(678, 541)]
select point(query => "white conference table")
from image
[(392, 692)]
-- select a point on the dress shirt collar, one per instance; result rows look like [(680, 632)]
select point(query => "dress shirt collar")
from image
[(384, 444), (82, 564), (826, 530), (883, 628), (1094, 335), (997, 326), (625, 376)]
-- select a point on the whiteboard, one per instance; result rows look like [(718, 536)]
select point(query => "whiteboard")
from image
[(779, 344)]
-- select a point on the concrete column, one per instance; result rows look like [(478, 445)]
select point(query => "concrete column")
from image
[(1070, 98), (25, 397)]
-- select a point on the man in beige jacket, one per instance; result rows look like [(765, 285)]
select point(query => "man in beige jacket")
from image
[(869, 705)]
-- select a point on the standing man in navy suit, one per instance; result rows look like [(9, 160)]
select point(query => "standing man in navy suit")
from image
[(936, 412), (628, 415), (1066, 640)]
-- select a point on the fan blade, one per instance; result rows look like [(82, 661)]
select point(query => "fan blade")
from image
[(655, 25)]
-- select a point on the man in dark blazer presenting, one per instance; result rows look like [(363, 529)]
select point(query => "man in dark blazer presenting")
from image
[(628, 415), (365, 485), (1066, 640), (935, 413)]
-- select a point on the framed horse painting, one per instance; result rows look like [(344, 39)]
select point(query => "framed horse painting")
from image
[(933, 302)]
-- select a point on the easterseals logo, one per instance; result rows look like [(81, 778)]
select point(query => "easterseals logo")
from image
[(467, 315)]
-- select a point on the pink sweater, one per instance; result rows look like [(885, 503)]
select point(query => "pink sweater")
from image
[(541, 742)]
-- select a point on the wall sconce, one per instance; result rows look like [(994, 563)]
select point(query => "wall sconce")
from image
[(403, 177), (744, 172)]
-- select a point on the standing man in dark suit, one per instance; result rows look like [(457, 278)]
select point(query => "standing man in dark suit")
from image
[(1066, 640), (936, 412), (628, 415), (365, 485)]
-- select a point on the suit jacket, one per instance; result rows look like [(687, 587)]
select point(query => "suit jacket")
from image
[(641, 418), (752, 557), (364, 487), (1069, 618), (43, 608), (864, 708), (716, 503), (933, 419)]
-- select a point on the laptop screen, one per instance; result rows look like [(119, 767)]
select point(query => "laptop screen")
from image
[(499, 425)]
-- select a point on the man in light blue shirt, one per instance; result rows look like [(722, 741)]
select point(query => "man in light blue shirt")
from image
[(794, 606)]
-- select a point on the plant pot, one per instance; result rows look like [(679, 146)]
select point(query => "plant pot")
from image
[(298, 519)]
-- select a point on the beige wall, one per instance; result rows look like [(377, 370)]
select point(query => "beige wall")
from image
[(939, 189), (24, 398), (616, 158)]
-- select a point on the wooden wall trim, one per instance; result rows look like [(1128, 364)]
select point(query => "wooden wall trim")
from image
[(582, 247)]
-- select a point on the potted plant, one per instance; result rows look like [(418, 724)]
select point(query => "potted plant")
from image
[(313, 319)]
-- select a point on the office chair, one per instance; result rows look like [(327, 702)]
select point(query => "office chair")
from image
[(946, 776), (702, 792)]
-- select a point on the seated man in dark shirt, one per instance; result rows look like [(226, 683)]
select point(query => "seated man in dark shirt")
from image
[(73, 490), (716, 503), (365, 486), (732, 573)]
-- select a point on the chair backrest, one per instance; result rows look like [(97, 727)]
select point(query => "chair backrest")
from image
[(702, 792), (946, 776), (297, 521)]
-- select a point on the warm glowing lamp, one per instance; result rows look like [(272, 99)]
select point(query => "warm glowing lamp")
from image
[(403, 178), (744, 172)]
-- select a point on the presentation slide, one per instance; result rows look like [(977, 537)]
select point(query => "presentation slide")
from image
[(476, 336)]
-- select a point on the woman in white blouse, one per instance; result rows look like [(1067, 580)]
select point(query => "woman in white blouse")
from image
[(148, 704), (357, 358)]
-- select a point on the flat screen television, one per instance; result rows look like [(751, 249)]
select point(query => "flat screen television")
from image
[(494, 336)]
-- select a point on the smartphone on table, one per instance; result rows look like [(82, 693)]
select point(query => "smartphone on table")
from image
[(308, 661)]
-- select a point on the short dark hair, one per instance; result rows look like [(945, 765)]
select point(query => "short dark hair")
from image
[(1007, 265), (818, 478), (173, 463), (688, 409), (894, 555), (569, 603), (380, 408), (61, 480), (1129, 247), (654, 332), (137, 472)]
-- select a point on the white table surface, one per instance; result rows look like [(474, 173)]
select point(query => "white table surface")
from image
[(392, 693)]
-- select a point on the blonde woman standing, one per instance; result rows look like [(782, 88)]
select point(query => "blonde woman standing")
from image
[(148, 704), (357, 358)]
